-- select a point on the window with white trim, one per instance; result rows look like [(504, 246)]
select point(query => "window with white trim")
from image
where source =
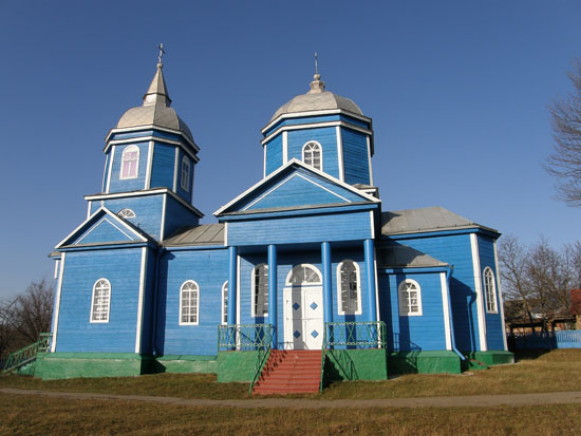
[(260, 290), (304, 274), (225, 303), (490, 290), (185, 174), (189, 303), (126, 213), (130, 162), (312, 154), (349, 288), (410, 298), (101, 301)]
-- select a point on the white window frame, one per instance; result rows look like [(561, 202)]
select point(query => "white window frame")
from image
[(185, 174), (489, 290), (126, 213), (404, 301), (132, 172), (309, 154), (196, 312), (293, 271), (224, 319), (98, 306), (340, 302), (256, 290)]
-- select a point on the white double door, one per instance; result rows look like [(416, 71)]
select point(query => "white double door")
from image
[(303, 317)]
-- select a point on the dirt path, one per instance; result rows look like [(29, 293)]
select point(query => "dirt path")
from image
[(466, 401)]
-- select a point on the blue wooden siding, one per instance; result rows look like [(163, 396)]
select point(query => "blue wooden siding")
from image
[(162, 172), (326, 136), (301, 229), (494, 326), (106, 172), (138, 183), (209, 269), (186, 195), (82, 269), (147, 208), (105, 231), (316, 119), (455, 250), (355, 157), (413, 333), (274, 157), (177, 215)]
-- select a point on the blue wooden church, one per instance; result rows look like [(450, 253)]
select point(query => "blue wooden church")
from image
[(305, 262)]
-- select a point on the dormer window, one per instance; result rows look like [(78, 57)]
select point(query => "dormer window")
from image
[(312, 155), (185, 175), (130, 162)]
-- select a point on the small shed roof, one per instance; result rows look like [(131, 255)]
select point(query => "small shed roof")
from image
[(402, 256), (208, 234)]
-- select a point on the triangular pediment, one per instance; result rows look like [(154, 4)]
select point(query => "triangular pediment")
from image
[(294, 186), (103, 227)]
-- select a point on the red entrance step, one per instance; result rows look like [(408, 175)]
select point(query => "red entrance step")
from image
[(290, 372)]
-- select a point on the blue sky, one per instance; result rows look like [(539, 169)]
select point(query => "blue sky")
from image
[(458, 92)]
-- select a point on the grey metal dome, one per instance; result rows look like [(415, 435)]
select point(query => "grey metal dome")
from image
[(156, 110), (317, 99)]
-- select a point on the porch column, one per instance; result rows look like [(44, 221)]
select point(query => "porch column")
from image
[(232, 284), (273, 294), (369, 253), (327, 288)]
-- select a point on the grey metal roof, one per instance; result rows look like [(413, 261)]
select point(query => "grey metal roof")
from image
[(424, 220), (208, 234), (400, 256), (317, 99), (156, 110)]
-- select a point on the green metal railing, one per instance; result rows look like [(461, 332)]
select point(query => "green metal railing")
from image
[(27, 354), (351, 336), (247, 337)]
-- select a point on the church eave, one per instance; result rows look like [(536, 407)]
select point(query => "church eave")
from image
[(114, 131), (314, 113)]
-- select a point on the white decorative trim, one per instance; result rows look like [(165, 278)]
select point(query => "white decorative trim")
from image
[(162, 221), (129, 149), (176, 169), (319, 148), (198, 294), (340, 163), (238, 290), (101, 321), (377, 314), (110, 169), (89, 204), (155, 138), (263, 161), (59, 288), (90, 229), (488, 271), (478, 290), (284, 147), (142, 277), (368, 140), (295, 161), (315, 126), (500, 296), (57, 265), (289, 276), (225, 234), (315, 114), (446, 308), (404, 311), (147, 182), (340, 309), (371, 224), (223, 306)]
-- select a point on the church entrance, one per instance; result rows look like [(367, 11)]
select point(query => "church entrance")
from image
[(303, 309)]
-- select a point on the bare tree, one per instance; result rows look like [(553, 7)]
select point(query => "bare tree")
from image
[(565, 161)]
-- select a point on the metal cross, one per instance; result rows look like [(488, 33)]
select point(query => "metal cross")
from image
[(161, 53), (316, 63)]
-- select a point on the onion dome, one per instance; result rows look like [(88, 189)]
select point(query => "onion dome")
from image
[(156, 110), (317, 99)]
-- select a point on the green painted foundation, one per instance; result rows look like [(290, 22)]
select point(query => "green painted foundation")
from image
[(424, 362), (73, 365), (186, 364), (355, 365), (493, 357), (237, 366)]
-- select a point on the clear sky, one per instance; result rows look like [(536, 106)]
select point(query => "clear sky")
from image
[(458, 92)]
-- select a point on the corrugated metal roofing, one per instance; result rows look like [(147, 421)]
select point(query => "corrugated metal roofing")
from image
[(208, 234), (423, 220), (398, 256)]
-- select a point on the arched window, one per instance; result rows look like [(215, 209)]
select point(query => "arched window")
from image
[(260, 290), (185, 175), (225, 303), (304, 274), (101, 301), (189, 303), (490, 290), (312, 154), (126, 213), (410, 298), (349, 289), (130, 162)]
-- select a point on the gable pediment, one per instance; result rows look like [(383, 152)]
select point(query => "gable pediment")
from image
[(103, 227), (296, 186)]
